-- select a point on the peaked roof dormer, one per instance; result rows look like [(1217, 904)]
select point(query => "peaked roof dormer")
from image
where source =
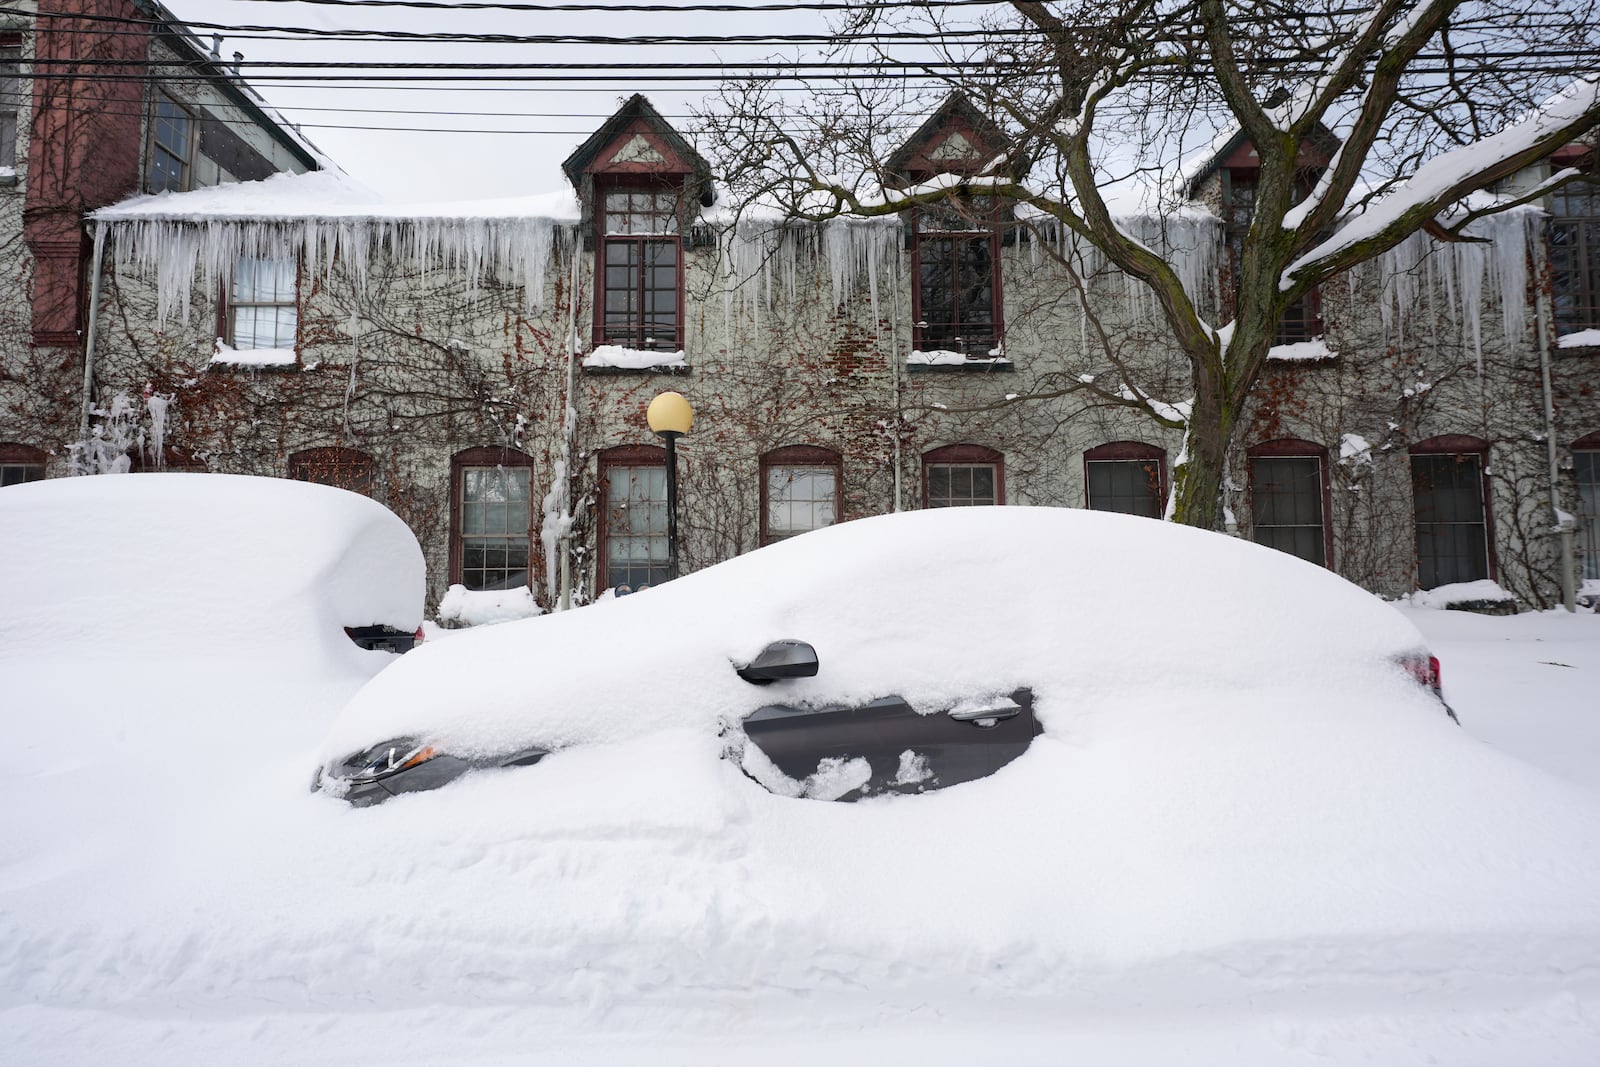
[(1234, 152), (635, 140), (956, 139)]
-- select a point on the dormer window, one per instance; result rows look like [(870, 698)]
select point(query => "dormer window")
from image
[(641, 266), (956, 282), (1301, 320)]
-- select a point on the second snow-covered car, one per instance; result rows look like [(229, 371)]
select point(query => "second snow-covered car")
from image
[(898, 654)]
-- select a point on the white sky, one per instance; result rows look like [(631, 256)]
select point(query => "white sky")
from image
[(512, 153)]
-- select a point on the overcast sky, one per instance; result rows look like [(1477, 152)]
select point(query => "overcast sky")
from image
[(492, 139)]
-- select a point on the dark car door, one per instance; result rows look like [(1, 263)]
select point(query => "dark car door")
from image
[(908, 752)]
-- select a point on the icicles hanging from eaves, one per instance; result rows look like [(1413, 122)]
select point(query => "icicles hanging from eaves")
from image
[(763, 259), (179, 254), (1459, 279)]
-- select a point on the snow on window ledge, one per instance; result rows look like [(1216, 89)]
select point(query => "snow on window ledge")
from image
[(8, 176), (615, 357), (1482, 595), (1581, 339), (228, 356), (482, 607), (944, 359), (1315, 350)]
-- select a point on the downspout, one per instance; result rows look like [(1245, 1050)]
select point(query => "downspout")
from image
[(569, 421), (1560, 524), (94, 324), (894, 380)]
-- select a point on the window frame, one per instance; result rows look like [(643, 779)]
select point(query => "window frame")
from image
[(185, 160), (965, 455), (10, 116), (1127, 452), (636, 334), (1585, 230), (1588, 520), (480, 458), (622, 457), (1457, 445), (1301, 320), (17, 456), (228, 306), (800, 456), (1295, 448), (986, 231), (323, 464)]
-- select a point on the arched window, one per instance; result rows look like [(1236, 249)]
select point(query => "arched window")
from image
[(1126, 476), (633, 517), (21, 463), (1289, 498), (1449, 495), (962, 476), (344, 468), (800, 491), (491, 518)]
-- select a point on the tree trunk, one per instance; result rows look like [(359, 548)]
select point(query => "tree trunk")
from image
[(1197, 481)]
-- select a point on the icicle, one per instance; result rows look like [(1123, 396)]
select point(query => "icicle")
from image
[(157, 405)]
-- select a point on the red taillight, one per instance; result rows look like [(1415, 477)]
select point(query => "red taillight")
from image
[(1424, 669), (418, 636), (1435, 676)]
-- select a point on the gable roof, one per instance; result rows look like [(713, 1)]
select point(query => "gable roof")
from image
[(957, 116), (1322, 141), (637, 110)]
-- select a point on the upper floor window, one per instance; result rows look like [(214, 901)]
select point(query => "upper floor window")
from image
[(1301, 320), (633, 525), (1125, 476), (799, 491), (1288, 492), (955, 267), (344, 468), (10, 101), (491, 518), (21, 463), (962, 476), (1575, 255), (262, 304), (1451, 510), (171, 147), (641, 260)]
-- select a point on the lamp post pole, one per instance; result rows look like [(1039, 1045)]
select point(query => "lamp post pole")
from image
[(670, 417)]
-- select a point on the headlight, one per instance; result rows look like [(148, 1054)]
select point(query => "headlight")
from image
[(390, 757)]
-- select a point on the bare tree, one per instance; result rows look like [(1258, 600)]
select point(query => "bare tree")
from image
[(1371, 120)]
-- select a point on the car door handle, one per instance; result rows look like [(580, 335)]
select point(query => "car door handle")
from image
[(987, 716)]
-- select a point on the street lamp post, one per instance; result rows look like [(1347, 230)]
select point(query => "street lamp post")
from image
[(670, 417)]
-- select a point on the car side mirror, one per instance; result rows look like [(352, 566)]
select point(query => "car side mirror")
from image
[(781, 659)]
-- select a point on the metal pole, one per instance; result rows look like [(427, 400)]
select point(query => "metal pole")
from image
[(94, 323), (672, 505)]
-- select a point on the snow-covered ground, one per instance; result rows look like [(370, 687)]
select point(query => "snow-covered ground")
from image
[(1218, 876)]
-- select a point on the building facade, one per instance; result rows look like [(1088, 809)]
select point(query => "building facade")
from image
[(484, 369)]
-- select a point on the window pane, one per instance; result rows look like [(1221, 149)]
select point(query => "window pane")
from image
[(1586, 466), (1129, 486), (799, 499), (1286, 506), (636, 525), (960, 484), (955, 288), (10, 104), (17, 473), (495, 520), (262, 303), (1447, 494)]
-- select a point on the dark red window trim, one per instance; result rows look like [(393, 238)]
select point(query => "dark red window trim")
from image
[(1589, 442), (803, 456), (484, 456), (624, 180), (1301, 320), (1460, 444), (996, 327), (966, 453), (1124, 451), (19, 455), (620, 456), (1296, 448)]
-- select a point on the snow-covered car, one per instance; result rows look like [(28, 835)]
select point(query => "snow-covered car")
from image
[(301, 574), (899, 654)]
